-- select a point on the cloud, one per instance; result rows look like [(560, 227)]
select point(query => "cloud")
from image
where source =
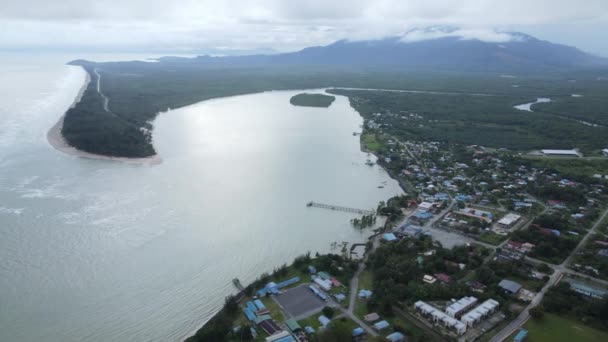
[(188, 25), (485, 35)]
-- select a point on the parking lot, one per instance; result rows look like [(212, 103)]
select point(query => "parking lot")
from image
[(299, 302)]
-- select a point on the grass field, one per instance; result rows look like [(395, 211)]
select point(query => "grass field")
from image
[(554, 328), (370, 143)]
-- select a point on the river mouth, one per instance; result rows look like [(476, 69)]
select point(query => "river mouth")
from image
[(154, 249)]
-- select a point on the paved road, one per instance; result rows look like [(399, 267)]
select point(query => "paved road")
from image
[(105, 98)]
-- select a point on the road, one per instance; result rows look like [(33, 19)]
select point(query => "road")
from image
[(559, 272), (105, 98)]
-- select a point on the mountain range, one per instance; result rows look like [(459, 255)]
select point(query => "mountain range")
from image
[(513, 52)]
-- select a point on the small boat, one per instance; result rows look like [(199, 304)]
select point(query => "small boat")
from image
[(380, 186), (369, 163)]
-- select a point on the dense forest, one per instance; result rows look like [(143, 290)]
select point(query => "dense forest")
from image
[(138, 91), (312, 100)]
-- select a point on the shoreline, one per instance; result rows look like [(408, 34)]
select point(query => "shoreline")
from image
[(58, 142)]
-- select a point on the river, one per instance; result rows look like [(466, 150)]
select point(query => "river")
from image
[(96, 250)]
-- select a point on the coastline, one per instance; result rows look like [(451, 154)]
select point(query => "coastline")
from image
[(58, 142)]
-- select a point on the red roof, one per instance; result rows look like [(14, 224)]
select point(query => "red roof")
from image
[(514, 244), (443, 277)]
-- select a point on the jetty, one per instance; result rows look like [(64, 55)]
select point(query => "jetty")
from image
[(340, 208)]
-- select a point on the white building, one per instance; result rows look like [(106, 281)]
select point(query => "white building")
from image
[(572, 153), (508, 220), (605, 152), (324, 284), (482, 311), (460, 306), (437, 316)]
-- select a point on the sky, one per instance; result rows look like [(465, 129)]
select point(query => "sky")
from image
[(239, 26)]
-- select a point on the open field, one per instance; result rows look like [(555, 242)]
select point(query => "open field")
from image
[(554, 328)]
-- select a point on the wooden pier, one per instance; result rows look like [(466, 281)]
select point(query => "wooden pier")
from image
[(340, 208)]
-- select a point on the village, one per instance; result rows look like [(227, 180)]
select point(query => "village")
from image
[(481, 236)]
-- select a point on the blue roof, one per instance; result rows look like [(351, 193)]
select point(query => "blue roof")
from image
[(286, 339), (324, 320), (381, 325), (521, 335), (309, 329), (258, 303), (250, 315), (389, 237), (396, 336), (423, 215), (358, 331), (251, 307)]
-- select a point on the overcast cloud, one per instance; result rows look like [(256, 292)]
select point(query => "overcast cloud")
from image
[(195, 25)]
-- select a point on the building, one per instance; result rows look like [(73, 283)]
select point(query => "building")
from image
[(381, 325), (324, 320), (389, 237), (409, 230), (508, 221), (589, 291), (425, 206), (358, 332), (605, 152), (372, 317), (396, 337), (444, 278), (458, 308), (477, 214), (282, 336), (509, 286), (293, 326), (571, 153), (480, 312), (439, 317), (325, 284), (429, 279), (521, 335)]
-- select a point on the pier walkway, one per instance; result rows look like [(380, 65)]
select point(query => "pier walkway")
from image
[(340, 208)]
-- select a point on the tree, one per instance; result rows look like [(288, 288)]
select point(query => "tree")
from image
[(328, 311), (537, 312)]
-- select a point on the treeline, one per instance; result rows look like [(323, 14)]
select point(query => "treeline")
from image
[(560, 299), (465, 119)]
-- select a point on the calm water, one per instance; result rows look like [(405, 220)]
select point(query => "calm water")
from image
[(102, 251)]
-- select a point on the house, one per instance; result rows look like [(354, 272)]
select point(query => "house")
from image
[(429, 279), (389, 237), (444, 278), (358, 332), (365, 294), (396, 337), (477, 286), (293, 326), (324, 320), (521, 335), (372, 317), (605, 152), (381, 325), (509, 286), (603, 252), (476, 214), (437, 316), (409, 230), (283, 336), (425, 206)]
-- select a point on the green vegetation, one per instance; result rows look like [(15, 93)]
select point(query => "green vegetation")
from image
[(558, 329), (467, 119), (138, 91), (578, 169), (559, 300), (312, 100)]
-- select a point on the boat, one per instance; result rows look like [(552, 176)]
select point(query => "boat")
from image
[(369, 163), (380, 186)]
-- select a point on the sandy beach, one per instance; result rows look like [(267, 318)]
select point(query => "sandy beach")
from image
[(57, 141)]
